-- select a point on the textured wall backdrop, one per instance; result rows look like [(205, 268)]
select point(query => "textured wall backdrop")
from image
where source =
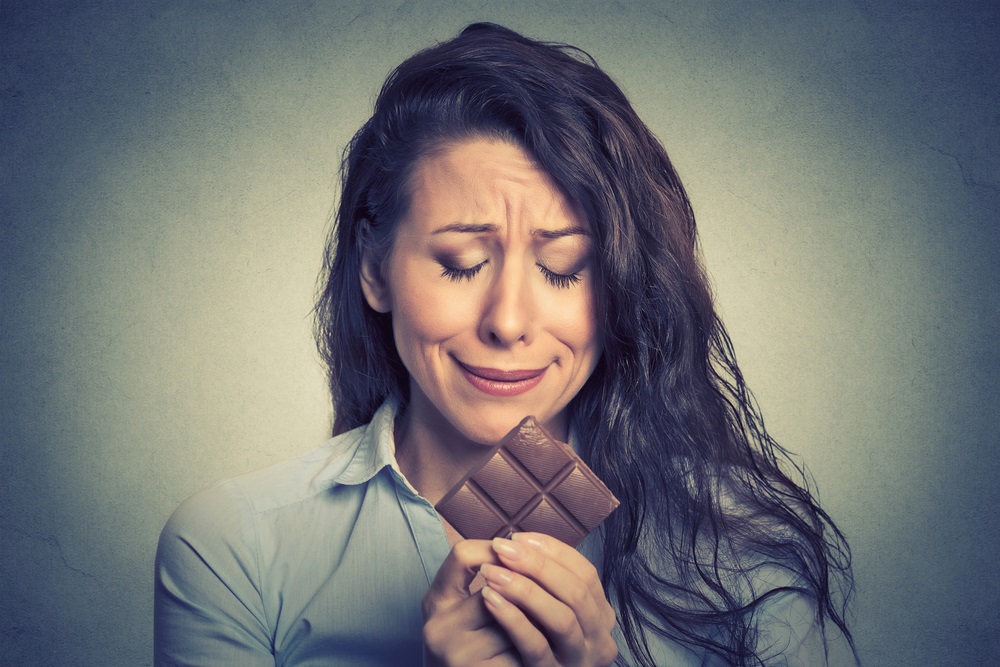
[(168, 167)]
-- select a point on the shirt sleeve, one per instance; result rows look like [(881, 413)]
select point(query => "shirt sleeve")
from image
[(208, 607)]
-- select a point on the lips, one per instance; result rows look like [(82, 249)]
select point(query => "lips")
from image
[(497, 382)]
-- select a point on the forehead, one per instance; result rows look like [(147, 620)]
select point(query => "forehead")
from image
[(488, 181)]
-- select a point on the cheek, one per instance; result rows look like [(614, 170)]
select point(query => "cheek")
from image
[(425, 312), (574, 321)]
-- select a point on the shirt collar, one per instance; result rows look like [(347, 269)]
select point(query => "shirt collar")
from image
[(376, 449)]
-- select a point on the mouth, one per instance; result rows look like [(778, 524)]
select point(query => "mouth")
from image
[(497, 382)]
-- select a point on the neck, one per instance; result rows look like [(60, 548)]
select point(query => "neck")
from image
[(433, 456)]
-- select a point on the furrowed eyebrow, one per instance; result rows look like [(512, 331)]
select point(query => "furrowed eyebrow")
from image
[(466, 228), (560, 233), (548, 234)]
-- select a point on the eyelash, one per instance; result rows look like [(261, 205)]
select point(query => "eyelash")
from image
[(560, 280), (455, 274)]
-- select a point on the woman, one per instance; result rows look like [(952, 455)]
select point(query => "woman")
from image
[(512, 240)]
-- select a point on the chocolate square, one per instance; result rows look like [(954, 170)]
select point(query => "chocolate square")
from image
[(532, 482)]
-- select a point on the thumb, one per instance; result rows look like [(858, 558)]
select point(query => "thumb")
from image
[(451, 584)]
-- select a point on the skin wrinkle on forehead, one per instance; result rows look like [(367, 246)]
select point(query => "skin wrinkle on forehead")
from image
[(503, 188), (546, 234)]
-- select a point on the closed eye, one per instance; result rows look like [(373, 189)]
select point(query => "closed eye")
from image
[(560, 280), (456, 274)]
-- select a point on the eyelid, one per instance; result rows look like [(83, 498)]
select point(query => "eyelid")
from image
[(456, 274), (560, 280)]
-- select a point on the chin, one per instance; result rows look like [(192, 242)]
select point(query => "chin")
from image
[(490, 429)]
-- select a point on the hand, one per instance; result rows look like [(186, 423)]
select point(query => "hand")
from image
[(457, 628), (549, 600)]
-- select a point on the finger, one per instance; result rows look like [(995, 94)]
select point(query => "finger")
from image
[(451, 583), (577, 563), (557, 621), (463, 616), (532, 646), (466, 633), (489, 646), (508, 658), (566, 555), (557, 581)]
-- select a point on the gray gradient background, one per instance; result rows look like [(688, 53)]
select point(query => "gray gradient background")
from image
[(167, 170)]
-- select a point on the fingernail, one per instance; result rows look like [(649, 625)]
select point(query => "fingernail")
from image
[(495, 575), (527, 539), (507, 548), (494, 598)]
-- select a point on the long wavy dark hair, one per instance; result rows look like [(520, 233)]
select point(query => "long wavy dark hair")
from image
[(708, 499)]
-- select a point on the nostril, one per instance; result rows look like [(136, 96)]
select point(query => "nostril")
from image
[(505, 337)]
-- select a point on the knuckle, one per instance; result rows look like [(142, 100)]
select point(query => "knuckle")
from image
[(609, 617), (520, 587), (576, 597), (432, 634), (439, 641), (536, 652), (464, 553), (564, 623), (607, 651), (611, 621)]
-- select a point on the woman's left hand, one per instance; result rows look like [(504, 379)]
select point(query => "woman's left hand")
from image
[(549, 599)]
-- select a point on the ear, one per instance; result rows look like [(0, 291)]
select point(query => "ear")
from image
[(373, 285)]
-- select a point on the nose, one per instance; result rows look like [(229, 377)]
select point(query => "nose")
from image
[(509, 311)]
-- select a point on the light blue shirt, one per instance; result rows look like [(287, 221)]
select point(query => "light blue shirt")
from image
[(324, 560)]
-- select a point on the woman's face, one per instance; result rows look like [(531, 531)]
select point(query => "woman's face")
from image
[(490, 285)]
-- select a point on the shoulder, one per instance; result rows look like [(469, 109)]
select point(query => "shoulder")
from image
[(789, 629), (212, 558), (225, 514), (223, 555), (773, 530)]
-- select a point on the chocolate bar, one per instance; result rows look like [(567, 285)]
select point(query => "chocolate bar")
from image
[(531, 482)]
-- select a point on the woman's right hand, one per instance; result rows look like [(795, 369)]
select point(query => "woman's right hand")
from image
[(458, 629)]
